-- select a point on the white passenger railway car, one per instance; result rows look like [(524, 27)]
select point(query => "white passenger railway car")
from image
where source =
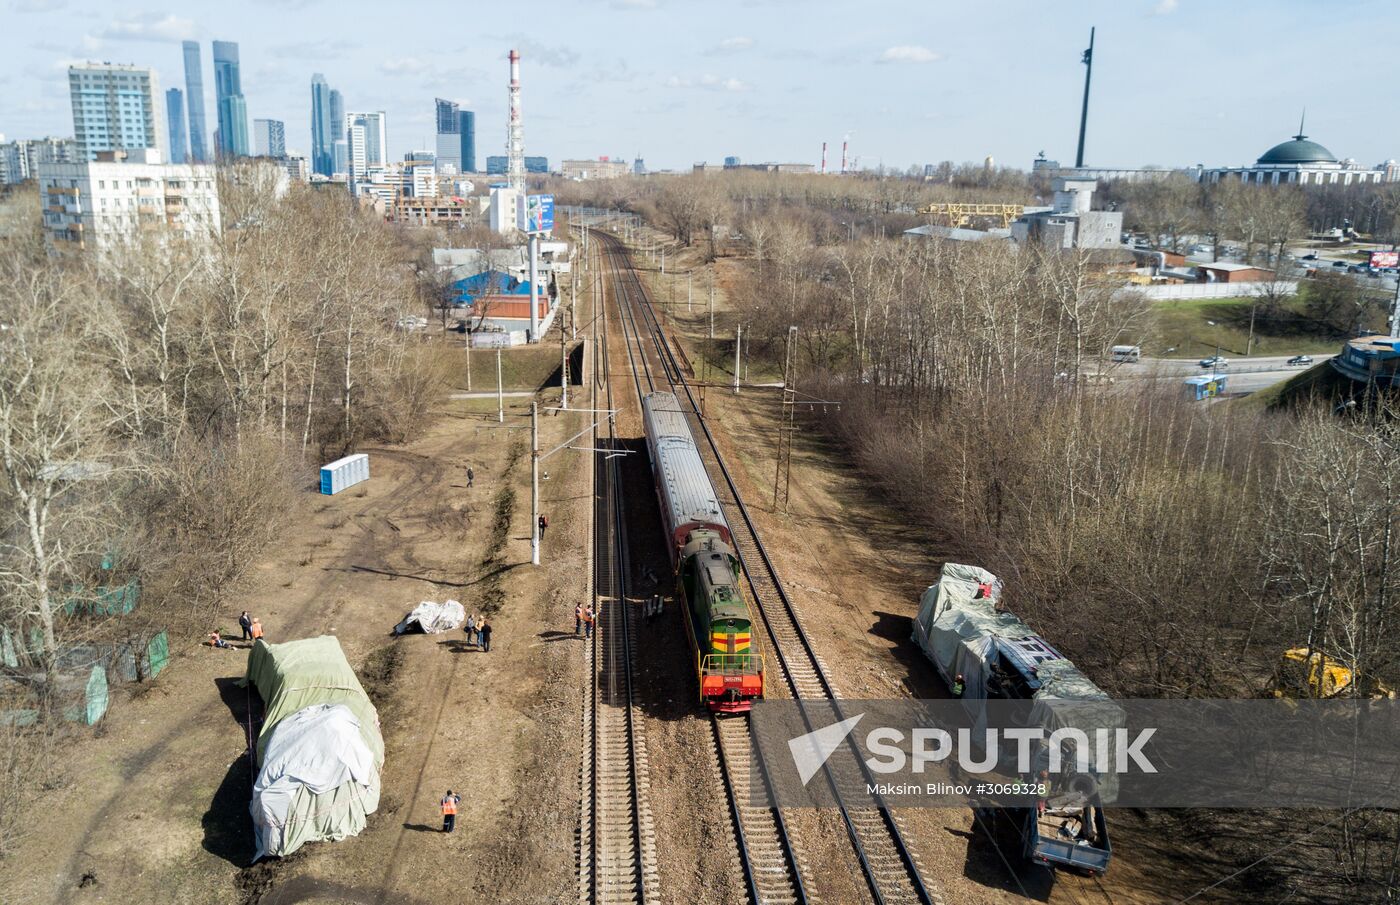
[(688, 500)]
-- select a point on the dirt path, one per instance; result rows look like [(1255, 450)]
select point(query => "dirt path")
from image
[(155, 809)]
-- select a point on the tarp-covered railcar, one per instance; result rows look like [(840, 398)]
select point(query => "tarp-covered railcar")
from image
[(320, 750)]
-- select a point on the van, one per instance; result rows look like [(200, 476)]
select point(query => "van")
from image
[(1127, 353)]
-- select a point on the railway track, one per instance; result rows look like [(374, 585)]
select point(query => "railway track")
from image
[(617, 851), (892, 873), (766, 855)]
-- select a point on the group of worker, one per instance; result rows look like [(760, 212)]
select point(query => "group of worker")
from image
[(250, 625), (478, 631), (584, 617)]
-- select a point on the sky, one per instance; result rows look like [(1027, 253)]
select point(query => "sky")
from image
[(1176, 82)]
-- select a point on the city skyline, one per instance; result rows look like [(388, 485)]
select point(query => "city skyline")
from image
[(923, 83)]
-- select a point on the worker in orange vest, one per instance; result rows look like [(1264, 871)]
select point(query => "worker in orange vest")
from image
[(449, 811), (256, 630)]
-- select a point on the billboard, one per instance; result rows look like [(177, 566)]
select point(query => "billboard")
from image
[(1385, 259), (534, 213)]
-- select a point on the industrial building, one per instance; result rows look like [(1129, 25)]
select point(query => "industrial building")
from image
[(1071, 222), (103, 202), (602, 168), (703, 167)]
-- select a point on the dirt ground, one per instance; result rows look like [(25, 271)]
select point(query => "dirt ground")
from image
[(154, 807)]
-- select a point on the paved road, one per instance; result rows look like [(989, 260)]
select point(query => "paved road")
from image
[(1247, 375)]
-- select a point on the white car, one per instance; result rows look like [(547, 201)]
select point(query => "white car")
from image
[(1215, 361)]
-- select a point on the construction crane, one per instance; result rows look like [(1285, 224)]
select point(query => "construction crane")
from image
[(955, 213)]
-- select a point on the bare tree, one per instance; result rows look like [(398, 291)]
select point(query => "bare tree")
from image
[(53, 441)]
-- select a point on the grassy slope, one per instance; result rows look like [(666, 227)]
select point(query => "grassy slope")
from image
[(1184, 325)]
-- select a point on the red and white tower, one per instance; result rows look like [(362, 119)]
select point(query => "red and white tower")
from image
[(515, 136)]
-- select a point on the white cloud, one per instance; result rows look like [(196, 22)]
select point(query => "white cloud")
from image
[(908, 53), (314, 49), (709, 83), (150, 27), (733, 45), (405, 66), (633, 4), (1164, 8), (37, 6), (560, 57)]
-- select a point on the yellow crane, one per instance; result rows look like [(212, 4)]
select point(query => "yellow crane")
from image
[(960, 213)]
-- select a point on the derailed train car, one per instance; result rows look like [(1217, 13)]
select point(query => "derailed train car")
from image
[(719, 620), (995, 655)]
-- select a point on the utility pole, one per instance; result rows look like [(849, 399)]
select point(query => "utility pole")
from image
[(786, 426), (535, 483), (573, 305), (1395, 312), (738, 344), (1088, 62), (533, 242), (500, 392), (563, 370), (663, 260), (469, 362), (687, 292), (712, 308)]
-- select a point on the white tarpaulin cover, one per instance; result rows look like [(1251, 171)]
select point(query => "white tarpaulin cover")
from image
[(433, 618), (318, 781), (320, 748)]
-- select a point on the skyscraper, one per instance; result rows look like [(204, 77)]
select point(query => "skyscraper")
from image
[(466, 125), (376, 136), (340, 147), (194, 98), (449, 138), (116, 107), (175, 119), (323, 131), (228, 92), (337, 112), (269, 138)]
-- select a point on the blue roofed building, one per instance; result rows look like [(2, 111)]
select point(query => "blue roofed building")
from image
[(490, 283)]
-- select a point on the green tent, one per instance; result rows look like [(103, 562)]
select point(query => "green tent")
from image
[(320, 750)]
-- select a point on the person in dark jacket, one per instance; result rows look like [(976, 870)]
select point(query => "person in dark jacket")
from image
[(471, 476), (483, 631), (544, 523), (245, 622)]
